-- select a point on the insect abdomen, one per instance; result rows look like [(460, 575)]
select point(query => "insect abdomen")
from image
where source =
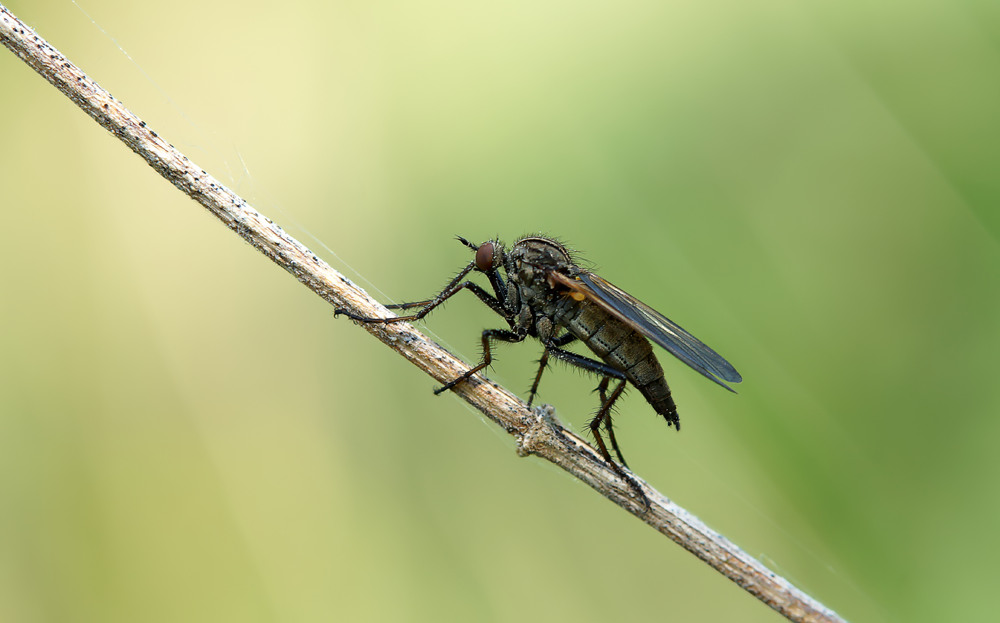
[(619, 346)]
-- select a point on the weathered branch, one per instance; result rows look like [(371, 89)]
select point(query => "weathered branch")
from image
[(537, 431)]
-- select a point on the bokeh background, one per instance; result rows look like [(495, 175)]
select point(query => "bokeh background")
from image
[(186, 434)]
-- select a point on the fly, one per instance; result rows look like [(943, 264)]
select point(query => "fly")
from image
[(543, 293)]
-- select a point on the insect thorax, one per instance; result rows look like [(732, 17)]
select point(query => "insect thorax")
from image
[(531, 260)]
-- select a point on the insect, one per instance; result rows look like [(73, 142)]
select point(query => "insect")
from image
[(543, 293)]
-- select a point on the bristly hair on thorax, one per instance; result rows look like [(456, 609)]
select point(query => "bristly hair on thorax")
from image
[(574, 255)]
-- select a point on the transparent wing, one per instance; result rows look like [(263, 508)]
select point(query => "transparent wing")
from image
[(653, 325)]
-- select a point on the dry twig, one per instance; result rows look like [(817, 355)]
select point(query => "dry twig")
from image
[(537, 431)]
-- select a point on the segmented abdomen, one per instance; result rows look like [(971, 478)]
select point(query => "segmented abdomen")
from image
[(624, 349)]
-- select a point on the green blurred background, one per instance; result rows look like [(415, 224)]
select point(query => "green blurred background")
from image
[(186, 434)]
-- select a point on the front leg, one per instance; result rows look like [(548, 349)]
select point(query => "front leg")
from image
[(496, 303), (429, 304), (489, 334)]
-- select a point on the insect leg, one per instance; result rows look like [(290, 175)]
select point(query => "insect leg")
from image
[(608, 373), (602, 392), (410, 305), (604, 416), (429, 304), (584, 363), (604, 413), (489, 334), (544, 362), (453, 287)]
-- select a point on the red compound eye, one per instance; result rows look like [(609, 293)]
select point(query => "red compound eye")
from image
[(484, 256)]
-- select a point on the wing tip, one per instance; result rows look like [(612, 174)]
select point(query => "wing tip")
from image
[(734, 377)]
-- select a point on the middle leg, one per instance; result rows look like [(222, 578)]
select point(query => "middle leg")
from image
[(543, 362)]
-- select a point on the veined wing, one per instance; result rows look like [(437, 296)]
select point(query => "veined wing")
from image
[(652, 324)]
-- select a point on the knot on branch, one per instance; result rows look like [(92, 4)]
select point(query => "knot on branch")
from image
[(541, 431)]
